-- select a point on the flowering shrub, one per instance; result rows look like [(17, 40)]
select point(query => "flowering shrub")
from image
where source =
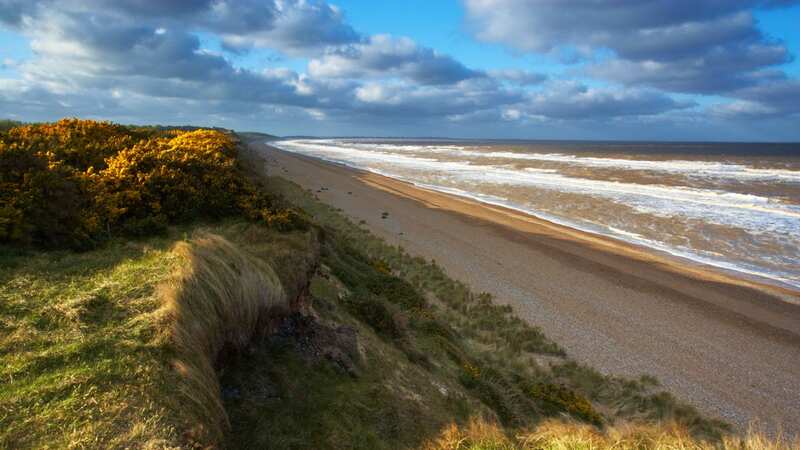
[(75, 181), (78, 144), (39, 200)]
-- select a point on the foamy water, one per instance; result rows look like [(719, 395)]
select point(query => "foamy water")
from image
[(732, 206)]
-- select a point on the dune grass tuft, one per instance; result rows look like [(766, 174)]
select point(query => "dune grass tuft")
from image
[(560, 435), (218, 300)]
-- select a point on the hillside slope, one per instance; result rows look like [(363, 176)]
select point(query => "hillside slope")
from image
[(291, 328)]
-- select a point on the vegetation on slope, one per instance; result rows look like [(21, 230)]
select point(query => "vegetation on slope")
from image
[(241, 333), (441, 332), (74, 182), (6, 124), (102, 348), (560, 435), (118, 346), (84, 358)]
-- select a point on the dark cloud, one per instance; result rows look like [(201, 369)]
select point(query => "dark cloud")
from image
[(519, 77), (720, 72), (675, 45), (384, 55), (570, 100), (780, 99), (293, 26), (542, 25), (288, 25)]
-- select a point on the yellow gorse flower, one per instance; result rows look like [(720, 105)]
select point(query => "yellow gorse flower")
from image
[(72, 182)]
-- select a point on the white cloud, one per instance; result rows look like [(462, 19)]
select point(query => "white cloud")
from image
[(677, 45)]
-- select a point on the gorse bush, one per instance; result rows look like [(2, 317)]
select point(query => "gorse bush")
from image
[(74, 182), (79, 144), (40, 200)]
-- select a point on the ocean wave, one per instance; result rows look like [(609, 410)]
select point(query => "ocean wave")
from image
[(691, 168), (764, 219)]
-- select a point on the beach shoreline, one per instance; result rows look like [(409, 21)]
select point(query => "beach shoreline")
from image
[(512, 217), (729, 345)]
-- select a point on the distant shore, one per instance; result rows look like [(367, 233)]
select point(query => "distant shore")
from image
[(729, 345)]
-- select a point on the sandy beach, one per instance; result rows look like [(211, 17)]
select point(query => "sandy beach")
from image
[(727, 345)]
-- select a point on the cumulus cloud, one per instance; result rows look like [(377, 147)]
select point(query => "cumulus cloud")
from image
[(571, 100), (675, 45), (99, 54), (144, 60), (413, 100), (519, 77), (117, 49), (384, 55), (779, 99), (290, 25), (294, 26)]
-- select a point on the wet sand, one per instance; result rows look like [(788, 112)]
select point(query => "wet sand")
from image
[(727, 345)]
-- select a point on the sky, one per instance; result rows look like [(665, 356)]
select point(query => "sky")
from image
[(722, 70)]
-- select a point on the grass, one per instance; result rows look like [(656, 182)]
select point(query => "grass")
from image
[(84, 359), (281, 400), (559, 435), (118, 347), (216, 303)]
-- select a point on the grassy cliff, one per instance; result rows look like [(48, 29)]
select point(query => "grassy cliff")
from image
[(283, 326)]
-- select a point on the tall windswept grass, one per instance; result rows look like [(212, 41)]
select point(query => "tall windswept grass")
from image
[(560, 435), (218, 301)]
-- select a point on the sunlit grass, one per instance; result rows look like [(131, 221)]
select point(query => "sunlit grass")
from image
[(560, 435), (83, 357)]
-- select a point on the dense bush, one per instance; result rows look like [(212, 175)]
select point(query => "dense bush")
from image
[(6, 124), (70, 183), (39, 200)]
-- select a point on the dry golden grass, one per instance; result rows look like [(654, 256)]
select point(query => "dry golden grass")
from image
[(217, 301), (477, 434), (559, 435)]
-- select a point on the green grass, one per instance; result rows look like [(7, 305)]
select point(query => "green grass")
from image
[(86, 352), (281, 400), (83, 359)]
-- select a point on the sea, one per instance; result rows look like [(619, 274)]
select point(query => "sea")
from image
[(734, 206)]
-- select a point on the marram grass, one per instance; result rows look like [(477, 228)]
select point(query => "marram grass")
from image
[(560, 435), (218, 299)]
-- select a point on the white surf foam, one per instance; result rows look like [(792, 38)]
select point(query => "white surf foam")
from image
[(752, 213), (691, 168)]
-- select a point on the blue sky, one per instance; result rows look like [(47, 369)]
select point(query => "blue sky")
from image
[(541, 69)]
